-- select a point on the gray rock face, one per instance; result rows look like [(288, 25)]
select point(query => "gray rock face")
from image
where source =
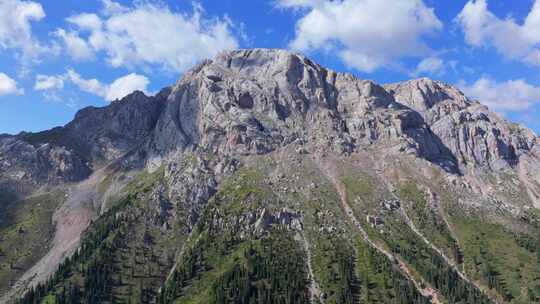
[(258, 221), (255, 101), (424, 94), (25, 166), (105, 134), (94, 137), (250, 102), (476, 136)]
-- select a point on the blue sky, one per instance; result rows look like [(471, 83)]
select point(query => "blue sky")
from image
[(59, 56)]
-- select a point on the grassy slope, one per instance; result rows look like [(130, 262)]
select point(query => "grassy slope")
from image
[(216, 254), (344, 266), (130, 253), (25, 233), (365, 194), (428, 220), (497, 258), (485, 239)]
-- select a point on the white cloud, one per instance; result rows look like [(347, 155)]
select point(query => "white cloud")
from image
[(431, 66), (509, 96), (516, 41), (45, 82), (8, 86), (52, 84), (149, 34), (92, 86), (77, 47), (366, 34), (299, 3), (116, 90), (110, 8), (86, 21), (16, 30), (125, 85)]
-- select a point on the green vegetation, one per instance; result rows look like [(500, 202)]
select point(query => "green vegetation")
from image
[(507, 262), (246, 190), (428, 220), (334, 267), (235, 256), (26, 230), (364, 190), (222, 268), (104, 185), (380, 280), (123, 257), (365, 196), (273, 271), (87, 275), (358, 273), (432, 267)]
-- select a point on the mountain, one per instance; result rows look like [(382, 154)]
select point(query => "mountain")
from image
[(262, 177)]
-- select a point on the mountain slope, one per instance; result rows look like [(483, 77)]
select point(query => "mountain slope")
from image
[(261, 176)]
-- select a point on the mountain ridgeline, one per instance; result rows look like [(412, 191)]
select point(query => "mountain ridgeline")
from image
[(262, 177)]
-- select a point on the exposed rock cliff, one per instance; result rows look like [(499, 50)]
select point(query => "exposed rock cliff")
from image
[(476, 136), (258, 143)]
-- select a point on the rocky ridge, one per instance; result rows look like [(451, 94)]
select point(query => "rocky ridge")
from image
[(254, 101), (246, 104)]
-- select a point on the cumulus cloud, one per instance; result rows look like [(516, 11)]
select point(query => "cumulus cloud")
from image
[(115, 90), (513, 40), (299, 3), (110, 7), (125, 85), (16, 29), (86, 21), (8, 86), (147, 34), (366, 34), (92, 86), (77, 47), (430, 66), (508, 96), (51, 84), (45, 82)]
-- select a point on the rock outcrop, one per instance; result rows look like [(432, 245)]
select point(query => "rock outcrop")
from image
[(249, 102), (26, 166), (245, 104), (476, 136), (252, 102)]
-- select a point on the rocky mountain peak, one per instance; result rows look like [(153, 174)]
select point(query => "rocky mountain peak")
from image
[(423, 94), (254, 140), (252, 60), (253, 101)]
